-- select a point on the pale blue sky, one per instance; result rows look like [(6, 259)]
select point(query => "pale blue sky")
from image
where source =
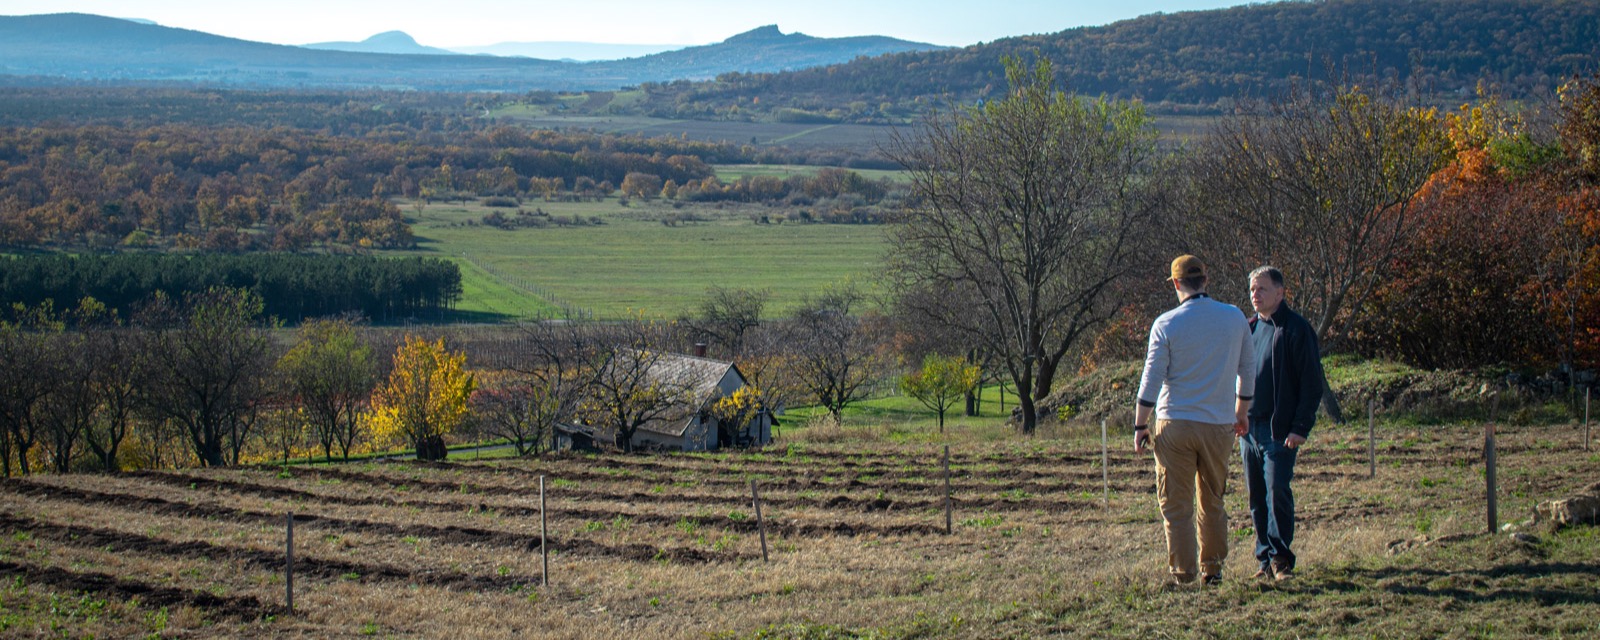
[(447, 23)]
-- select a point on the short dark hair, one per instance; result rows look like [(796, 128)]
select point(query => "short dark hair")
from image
[(1270, 272), (1193, 283)]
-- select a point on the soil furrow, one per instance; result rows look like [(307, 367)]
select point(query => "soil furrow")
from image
[(237, 608), (323, 568), (868, 500), (1073, 482), (445, 534), (745, 525)]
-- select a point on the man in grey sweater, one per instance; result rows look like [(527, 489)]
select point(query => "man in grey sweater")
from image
[(1199, 377)]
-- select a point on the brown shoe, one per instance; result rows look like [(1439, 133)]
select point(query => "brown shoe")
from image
[(1263, 574), (1282, 572)]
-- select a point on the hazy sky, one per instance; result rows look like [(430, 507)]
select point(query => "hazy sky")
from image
[(446, 23)]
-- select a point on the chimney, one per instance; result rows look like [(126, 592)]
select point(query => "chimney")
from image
[(699, 349)]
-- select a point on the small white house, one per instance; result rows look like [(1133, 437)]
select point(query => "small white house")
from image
[(689, 425)]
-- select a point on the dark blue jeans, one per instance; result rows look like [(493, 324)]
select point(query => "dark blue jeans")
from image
[(1268, 468)]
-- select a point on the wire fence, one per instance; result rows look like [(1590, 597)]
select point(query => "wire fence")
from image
[(571, 311)]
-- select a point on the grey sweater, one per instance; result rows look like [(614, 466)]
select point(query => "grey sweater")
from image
[(1200, 359)]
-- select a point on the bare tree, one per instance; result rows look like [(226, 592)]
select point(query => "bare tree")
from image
[(25, 362), (208, 359), (283, 432), (118, 357), (636, 384), (1028, 210), (726, 316), (834, 348), (1321, 184), (72, 405), (767, 361), (553, 362)]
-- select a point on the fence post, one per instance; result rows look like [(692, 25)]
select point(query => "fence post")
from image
[(288, 562), (1489, 465), (1372, 445), (1105, 465), (947, 528), (544, 552), (755, 498), (1586, 391)]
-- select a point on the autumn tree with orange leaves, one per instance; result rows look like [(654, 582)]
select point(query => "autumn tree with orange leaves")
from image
[(1481, 223), (1504, 265)]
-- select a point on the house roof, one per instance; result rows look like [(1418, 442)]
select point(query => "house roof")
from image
[(701, 376)]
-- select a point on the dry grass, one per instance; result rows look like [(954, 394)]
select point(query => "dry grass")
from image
[(667, 546)]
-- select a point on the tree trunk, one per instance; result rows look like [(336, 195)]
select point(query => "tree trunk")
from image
[(1046, 377), (432, 449), (211, 455), (1330, 405), (1030, 418)]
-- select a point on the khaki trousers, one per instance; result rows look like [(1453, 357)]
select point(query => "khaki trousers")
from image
[(1189, 456)]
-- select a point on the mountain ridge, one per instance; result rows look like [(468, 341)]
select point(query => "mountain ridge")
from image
[(1195, 61), (90, 47)]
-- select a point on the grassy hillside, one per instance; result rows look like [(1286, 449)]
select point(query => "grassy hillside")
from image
[(1193, 61)]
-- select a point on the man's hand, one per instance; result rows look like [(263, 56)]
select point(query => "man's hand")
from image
[(1294, 441), (1141, 441), (1241, 417)]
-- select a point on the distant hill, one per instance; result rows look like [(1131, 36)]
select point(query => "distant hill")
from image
[(768, 49), (386, 42), (88, 47), (579, 51), (1195, 61)]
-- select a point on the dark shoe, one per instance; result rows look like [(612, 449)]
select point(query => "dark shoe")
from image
[(1281, 572), (1211, 579)]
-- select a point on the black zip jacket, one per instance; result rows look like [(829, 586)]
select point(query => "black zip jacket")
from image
[(1296, 374)]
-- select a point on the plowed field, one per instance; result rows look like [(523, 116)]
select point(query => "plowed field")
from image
[(669, 546)]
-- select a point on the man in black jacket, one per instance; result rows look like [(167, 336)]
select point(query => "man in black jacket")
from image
[(1289, 385)]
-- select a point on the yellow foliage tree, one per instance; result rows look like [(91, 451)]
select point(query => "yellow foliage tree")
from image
[(425, 397), (941, 383), (735, 411)]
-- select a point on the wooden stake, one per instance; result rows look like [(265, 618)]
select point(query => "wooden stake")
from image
[(544, 552), (1372, 445), (1586, 417), (755, 498), (1105, 465), (288, 562), (947, 528), (1489, 476)]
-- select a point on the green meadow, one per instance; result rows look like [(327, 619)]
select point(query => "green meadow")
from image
[(633, 262), (731, 172)]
